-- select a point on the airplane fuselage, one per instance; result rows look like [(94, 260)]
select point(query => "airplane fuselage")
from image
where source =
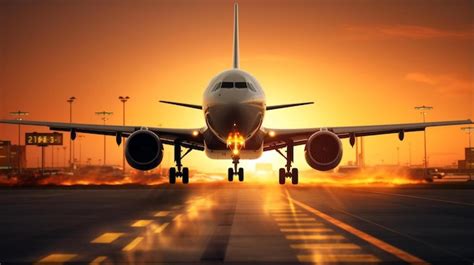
[(234, 106)]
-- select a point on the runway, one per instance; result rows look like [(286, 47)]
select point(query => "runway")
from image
[(236, 223)]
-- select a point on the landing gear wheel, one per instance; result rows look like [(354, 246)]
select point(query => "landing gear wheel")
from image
[(281, 176), (185, 175), (294, 176), (230, 174), (241, 174), (172, 175)]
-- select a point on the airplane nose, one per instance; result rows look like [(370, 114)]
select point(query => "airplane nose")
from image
[(225, 119)]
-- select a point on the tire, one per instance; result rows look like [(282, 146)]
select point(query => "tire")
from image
[(230, 174), (281, 176), (172, 175), (294, 176), (241, 174), (185, 175)]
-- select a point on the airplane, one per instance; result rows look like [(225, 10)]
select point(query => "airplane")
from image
[(234, 107)]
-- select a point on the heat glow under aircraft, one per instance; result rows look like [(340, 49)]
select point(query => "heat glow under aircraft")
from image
[(234, 106)]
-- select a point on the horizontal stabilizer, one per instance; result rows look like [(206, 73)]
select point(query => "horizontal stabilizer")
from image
[(192, 106), (288, 105)]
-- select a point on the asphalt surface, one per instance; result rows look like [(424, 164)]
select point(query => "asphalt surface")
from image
[(236, 223)]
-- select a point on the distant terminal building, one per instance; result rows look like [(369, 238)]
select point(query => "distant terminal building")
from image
[(11, 155), (468, 162)]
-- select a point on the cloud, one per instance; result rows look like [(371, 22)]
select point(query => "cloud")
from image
[(444, 83), (407, 32)]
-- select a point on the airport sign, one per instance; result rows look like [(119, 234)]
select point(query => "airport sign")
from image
[(42, 139)]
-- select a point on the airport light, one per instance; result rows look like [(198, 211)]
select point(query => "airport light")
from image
[(123, 100), (19, 114), (104, 117), (80, 137), (469, 130), (71, 143), (423, 110)]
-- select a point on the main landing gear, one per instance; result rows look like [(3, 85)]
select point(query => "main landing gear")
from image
[(179, 170), (236, 170), (288, 172)]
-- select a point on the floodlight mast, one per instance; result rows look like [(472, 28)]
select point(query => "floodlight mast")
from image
[(19, 114), (71, 143), (423, 110), (123, 100), (104, 117)]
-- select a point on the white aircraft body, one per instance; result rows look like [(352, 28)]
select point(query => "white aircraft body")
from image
[(234, 107)]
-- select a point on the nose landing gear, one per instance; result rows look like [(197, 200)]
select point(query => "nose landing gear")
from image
[(235, 170), (179, 170), (288, 172)]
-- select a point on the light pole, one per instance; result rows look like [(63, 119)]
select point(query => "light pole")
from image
[(124, 100), (80, 137), (64, 156), (469, 130), (19, 114), (423, 109), (71, 143), (104, 116)]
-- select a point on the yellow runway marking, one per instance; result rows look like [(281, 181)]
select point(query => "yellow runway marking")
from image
[(313, 224), (141, 223), (298, 219), (160, 228), (403, 255), (133, 244), (305, 230), (162, 213), (107, 238), (320, 246), (57, 258), (319, 258), (98, 260), (177, 217), (314, 237)]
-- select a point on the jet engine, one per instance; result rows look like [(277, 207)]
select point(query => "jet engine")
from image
[(143, 150), (323, 151)]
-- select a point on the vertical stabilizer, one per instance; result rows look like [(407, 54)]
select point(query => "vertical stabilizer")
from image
[(236, 35)]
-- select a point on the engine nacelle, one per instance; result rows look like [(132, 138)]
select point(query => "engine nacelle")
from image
[(323, 151), (143, 150)]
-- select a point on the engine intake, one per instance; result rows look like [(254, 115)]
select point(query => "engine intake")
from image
[(143, 150), (323, 151)]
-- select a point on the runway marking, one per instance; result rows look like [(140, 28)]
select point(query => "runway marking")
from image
[(322, 246), (141, 223), (403, 255), (301, 224), (422, 198), (305, 230), (177, 217), (314, 237), (107, 238), (133, 244), (98, 260), (160, 228), (320, 258), (57, 258), (162, 213), (290, 215), (304, 219)]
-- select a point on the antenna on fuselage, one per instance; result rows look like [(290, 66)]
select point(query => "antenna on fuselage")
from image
[(236, 35)]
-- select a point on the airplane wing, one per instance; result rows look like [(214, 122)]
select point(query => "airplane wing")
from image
[(300, 136), (187, 137)]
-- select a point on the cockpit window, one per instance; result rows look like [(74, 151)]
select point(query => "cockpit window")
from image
[(227, 85), (251, 87), (241, 84), (216, 87)]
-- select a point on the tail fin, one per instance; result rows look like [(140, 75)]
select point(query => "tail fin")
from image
[(236, 36)]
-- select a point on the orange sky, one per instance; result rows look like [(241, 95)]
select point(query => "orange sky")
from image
[(362, 62)]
